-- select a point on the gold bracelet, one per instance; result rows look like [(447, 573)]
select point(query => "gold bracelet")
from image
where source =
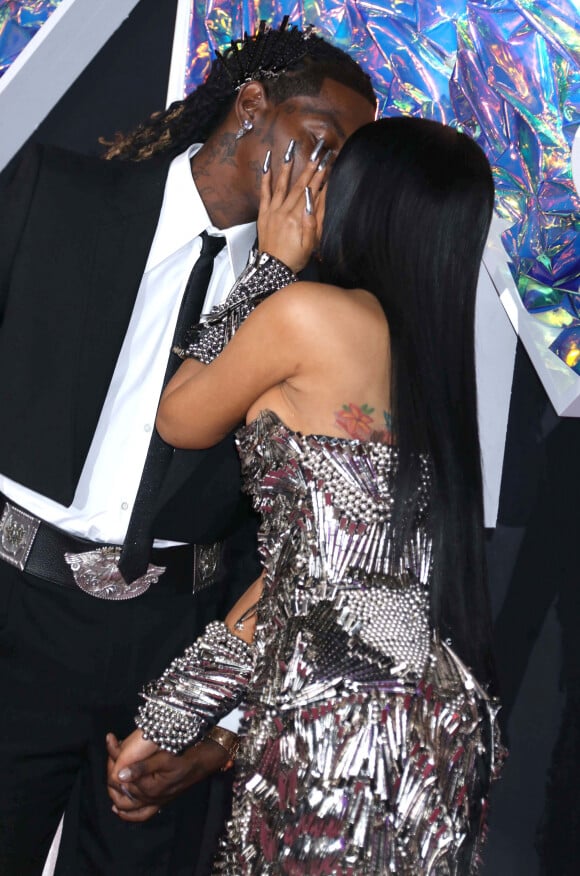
[(229, 741)]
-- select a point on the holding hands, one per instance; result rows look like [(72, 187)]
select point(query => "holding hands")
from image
[(290, 216), (142, 777)]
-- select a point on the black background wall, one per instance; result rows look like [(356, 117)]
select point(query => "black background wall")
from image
[(533, 552), (124, 84)]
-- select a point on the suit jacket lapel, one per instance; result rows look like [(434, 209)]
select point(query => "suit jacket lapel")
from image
[(123, 240)]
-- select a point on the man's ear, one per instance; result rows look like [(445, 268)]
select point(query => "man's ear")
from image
[(251, 102)]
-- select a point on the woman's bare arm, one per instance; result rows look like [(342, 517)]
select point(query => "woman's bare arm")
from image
[(202, 404), (241, 620)]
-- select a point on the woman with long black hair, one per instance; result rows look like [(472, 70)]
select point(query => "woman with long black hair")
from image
[(362, 653)]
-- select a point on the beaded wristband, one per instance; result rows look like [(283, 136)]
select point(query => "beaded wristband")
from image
[(197, 689), (263, 275)]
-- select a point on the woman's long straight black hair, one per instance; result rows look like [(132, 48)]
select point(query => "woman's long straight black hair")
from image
[(409, 204)]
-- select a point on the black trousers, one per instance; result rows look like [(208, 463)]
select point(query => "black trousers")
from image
[(71, 666)]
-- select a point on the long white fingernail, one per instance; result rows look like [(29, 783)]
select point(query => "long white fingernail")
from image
[(317, 149), (325, 160), (267, 161), (125, 774), (290, 151), (308, 196)]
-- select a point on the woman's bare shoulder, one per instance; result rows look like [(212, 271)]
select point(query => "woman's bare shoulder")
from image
[(318, 313), (308, 291), (302, 302), (321, 299)]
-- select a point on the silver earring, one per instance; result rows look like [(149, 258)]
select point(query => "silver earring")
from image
[(245, 128)]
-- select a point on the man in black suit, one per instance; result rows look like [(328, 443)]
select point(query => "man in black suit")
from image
[(94, 260)]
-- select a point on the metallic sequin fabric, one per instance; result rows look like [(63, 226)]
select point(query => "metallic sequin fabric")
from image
[(369, 746), (263, 275), (197, 689)]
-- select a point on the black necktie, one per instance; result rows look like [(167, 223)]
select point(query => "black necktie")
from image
[(137, 546)]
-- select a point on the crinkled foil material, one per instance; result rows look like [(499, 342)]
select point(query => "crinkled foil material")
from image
[(19, 22), (505, 71)]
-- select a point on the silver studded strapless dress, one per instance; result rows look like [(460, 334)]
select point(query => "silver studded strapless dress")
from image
[(369, 747)]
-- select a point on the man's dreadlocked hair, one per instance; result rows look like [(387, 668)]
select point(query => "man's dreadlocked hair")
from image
[(287, 61)]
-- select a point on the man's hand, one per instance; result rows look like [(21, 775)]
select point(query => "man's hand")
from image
[(140, 787)]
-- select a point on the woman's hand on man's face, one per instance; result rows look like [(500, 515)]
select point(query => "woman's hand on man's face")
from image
[(290, 216)]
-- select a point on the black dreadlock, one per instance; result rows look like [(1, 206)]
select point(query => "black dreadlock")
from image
[(287, 61)]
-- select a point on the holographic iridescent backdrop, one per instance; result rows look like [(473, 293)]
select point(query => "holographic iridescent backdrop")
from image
[(19, 21), (505, 71)]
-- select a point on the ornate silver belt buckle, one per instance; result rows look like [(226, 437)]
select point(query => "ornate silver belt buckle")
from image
[(97, 573), (17, 533)]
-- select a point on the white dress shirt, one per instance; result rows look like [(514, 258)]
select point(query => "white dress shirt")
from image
[(108, 484)]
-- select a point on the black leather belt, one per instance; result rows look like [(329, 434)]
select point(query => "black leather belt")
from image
[(43, 550)]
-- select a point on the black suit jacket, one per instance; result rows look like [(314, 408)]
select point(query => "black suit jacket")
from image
[(75, 234)]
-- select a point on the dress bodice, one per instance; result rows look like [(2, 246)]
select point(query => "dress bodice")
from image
[(332, 583), (369, 746)]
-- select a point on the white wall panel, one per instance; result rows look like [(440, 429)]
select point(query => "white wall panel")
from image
[(50, 63)]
